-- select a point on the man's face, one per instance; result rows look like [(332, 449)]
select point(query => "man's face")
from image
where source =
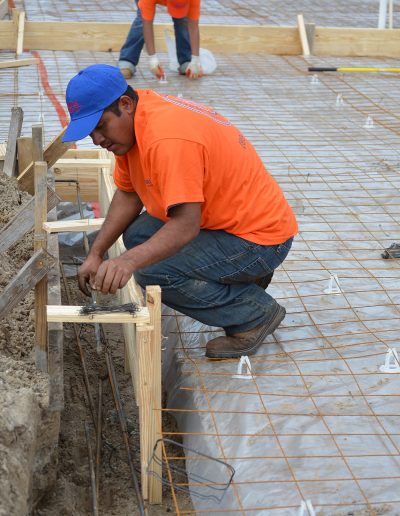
[(116, 133)]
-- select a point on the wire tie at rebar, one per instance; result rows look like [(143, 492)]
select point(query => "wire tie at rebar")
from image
[(306, 508), (392, 364), (243, 362), (314, 79), (163, 80), (333, 285), (369, 123)]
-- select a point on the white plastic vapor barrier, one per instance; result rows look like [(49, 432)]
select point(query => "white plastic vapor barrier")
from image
[(308, 424)]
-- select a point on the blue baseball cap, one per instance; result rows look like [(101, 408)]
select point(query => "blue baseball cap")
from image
[(88, 94)]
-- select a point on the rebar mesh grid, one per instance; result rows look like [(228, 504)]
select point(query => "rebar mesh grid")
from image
[(317, 419)]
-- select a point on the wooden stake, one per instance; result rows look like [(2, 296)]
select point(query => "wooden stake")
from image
[(153, 302), (143, 343), (40, 242), (10, 160), (3, 8), (303, 35), (52, 153), (24, 152), (20, 33)]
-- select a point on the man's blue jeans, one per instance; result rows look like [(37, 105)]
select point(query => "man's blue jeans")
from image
[(211, 279), (135, 41)]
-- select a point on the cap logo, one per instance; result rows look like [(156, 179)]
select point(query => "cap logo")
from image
[(73, 107)]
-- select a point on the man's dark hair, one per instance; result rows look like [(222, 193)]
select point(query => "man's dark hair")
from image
[(114, 108)]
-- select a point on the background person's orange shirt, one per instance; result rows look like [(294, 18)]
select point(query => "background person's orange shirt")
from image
[(186, 152), (148, 9)]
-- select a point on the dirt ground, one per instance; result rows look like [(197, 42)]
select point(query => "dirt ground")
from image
[(69, 493)]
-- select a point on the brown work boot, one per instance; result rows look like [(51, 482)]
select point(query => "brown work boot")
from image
[(247, 342)]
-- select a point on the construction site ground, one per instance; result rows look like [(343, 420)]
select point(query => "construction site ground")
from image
[(318, 420)]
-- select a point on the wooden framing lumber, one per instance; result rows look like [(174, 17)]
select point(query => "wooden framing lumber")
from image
[(70, 313), (61, 226), (18, 62), (10, 160), (228, 39), (23, 221), (54, 150), (32, 272), (303, 35), (40, 242)]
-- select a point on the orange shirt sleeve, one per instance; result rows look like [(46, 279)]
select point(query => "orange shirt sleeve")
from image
[(176, 169), (194, 10), (121, 174), (148, 9)]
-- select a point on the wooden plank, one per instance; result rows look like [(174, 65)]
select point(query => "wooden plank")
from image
[(70, 313), (19, 62), (105, 37), (32, 272), (82, 163), (3, 8), (153, 302), (303, 35), (20, 33), (23, 221), (66, 184), (346, 41), (54, 150), (10, 160), (40, 242), (61, 226), (356, 42)]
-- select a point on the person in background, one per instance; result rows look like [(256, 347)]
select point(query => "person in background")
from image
[(185, 15)]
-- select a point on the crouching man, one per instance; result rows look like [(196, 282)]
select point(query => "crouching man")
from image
[(216, 224)]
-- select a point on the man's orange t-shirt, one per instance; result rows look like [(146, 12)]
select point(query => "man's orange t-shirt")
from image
[(186, 152), (148, 8)]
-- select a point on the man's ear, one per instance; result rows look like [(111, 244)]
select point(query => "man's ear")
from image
[(126, 104)]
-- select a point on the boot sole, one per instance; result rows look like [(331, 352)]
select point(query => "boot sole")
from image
[(268, 330)]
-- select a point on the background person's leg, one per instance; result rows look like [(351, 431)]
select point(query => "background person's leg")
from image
[(132, 48), (182, 42), (212, 278)]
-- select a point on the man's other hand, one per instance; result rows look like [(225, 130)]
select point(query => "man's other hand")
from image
[(87, 273), (156, 68), (194, 69), (113, 274)]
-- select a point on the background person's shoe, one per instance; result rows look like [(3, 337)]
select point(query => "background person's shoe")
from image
[(128, 69), (247, 342), (182, 68)]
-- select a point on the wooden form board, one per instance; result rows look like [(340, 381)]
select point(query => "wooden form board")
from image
[(18, 62), (70, 313), (62, 226), (103, 37)]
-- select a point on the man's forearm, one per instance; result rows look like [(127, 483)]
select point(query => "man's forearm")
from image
[(124, 208), (148, 34), (194, 36)]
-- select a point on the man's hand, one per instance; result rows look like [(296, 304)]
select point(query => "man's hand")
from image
[(156, 68), (113, 274), (87, 272), (194, 69)]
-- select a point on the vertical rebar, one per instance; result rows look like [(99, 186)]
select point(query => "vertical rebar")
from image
[(92, 474)]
